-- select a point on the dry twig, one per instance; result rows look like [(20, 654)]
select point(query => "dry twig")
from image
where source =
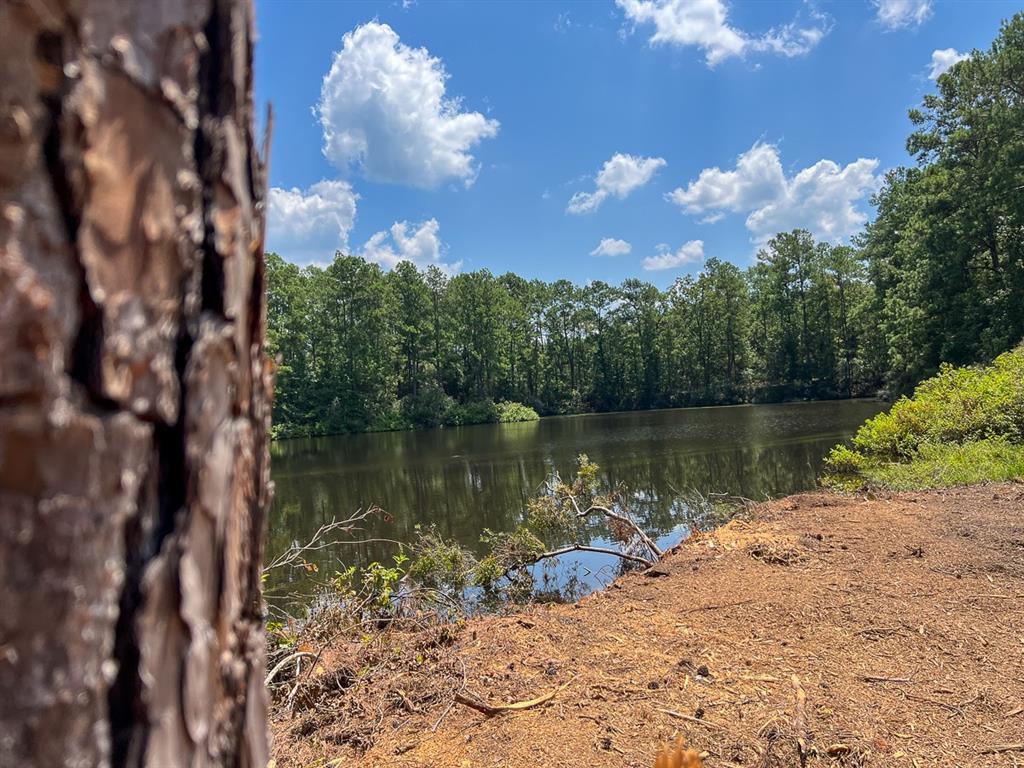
[(800, 718), (490, 710)]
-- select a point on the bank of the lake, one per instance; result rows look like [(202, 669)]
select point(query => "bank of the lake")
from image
[(467, 479), (896, 616)]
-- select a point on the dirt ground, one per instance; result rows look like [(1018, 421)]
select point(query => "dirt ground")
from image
[(824, 630)]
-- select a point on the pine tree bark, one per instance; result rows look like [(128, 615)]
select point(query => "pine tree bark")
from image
[(134, 390)]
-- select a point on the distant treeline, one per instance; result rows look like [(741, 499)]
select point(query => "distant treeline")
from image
[(938, 276)]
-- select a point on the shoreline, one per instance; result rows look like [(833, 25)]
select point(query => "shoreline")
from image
[(799, 401), (898, 615)]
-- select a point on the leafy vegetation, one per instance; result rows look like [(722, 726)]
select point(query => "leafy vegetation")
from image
[(940, 466), (964, 425), (481, 348), (937, 277), (946, 250), (510, 412)]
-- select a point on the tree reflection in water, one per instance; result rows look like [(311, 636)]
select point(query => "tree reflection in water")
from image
[(466, 479)]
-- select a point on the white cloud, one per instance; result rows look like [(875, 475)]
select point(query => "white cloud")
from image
[(619, 177), (611, 246), (419, 244), (943, 59), (309, 225), (705, 24), (688, 253), (383, 108), (902, 13), (821, 198), (792, 40), (756, 180)]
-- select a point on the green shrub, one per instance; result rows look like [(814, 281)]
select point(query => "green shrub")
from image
[(389, 421), (373, 587), (480, 412), (963, 425), (438, 563), (844, 460), (509, 412), (428, 407), (957, 405)]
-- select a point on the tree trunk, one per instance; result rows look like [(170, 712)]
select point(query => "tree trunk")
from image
[(134, 391)]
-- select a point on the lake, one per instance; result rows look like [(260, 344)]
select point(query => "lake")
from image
[(467, 479)]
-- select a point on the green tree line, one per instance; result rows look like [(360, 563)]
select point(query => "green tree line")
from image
[(938, 276)]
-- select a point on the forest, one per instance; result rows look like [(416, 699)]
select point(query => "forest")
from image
[(937, 276)]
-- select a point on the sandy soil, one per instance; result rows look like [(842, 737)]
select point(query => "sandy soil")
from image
[(899, 619)]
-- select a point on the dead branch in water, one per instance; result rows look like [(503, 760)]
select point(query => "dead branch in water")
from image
[(322, 539), (624, 519), (599, 550)]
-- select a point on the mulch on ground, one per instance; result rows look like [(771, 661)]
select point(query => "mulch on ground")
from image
[(826, 629)]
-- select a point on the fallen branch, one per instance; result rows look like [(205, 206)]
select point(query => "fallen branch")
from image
[(647, 540), (284, 662), (690, 718), (588, 548), (295, 554), (490, 710), (878, 679), (800, 719), (1000, 748), (715, 607)]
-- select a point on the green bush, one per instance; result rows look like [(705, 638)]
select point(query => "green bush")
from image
[(388, 421), (438, 563), (480, 412), (428, 407), (509, 412), (963, 425), (844, 460), (955, 406)]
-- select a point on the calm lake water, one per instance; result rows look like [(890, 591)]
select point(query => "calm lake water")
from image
[(466, 479)]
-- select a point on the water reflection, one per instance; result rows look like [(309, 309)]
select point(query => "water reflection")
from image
[(466, 479)]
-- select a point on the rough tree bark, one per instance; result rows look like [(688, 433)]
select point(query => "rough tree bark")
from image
[(134, 391)]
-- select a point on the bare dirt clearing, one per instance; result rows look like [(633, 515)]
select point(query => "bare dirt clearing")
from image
[(827, 630)]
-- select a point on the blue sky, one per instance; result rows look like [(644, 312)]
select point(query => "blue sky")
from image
[(520, 136)]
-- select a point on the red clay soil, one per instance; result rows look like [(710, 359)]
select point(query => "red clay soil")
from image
[(826, 630)]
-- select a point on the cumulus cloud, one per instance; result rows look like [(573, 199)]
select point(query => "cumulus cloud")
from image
[(383, 108), (822, 198), (309, 225), (688, 253), (756, 180), (618, 177), (611, 246), (705, 25), (418, 243), (943, 59), (895, 14)]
